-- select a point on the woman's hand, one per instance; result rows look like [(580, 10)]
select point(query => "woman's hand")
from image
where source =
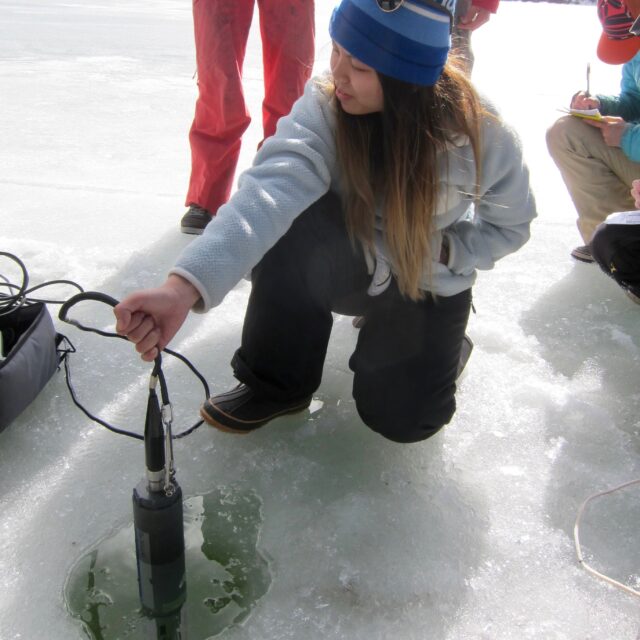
[(612, 128), (474, 18), (151, 317), (635, 192), (582, 100)]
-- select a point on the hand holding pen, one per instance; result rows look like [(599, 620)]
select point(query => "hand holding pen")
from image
[(583, 99)]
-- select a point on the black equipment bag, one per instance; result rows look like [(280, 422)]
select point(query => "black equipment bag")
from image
[(29, 357)]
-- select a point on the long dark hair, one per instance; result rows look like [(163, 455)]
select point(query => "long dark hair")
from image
[(391, 158)]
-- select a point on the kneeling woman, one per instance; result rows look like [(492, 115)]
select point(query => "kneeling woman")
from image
[(380, 195)]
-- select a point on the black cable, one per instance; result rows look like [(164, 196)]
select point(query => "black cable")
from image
[(20, 295), (97, 296), (87, 413), (27, 292), (8, 303)]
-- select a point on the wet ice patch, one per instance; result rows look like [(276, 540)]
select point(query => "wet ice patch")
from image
[(226, 573)]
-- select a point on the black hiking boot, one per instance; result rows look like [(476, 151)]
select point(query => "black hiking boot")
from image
[(239, 411), (195, 220)]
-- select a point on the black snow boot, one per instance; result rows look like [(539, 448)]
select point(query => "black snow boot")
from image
[(240, 411)]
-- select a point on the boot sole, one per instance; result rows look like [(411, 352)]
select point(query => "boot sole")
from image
[(211, 421), (632, 296), (581, 257)]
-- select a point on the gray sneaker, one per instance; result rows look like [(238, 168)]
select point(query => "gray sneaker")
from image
[(195, 220), (583, 254)]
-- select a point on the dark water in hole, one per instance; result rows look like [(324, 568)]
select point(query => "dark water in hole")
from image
[(226, 574)]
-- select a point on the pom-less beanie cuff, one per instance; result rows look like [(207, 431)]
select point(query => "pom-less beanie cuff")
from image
[(410, 44)]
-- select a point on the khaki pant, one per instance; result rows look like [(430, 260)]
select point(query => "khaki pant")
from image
[(598, 177)]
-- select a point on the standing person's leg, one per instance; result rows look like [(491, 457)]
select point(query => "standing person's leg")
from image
[(406, 363), (288, 49), (598, 177), (221, 29), (311, 270)]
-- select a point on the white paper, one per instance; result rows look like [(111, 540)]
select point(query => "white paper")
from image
[(624, 217)]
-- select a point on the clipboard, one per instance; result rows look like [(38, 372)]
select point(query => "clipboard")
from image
[(586, 114)]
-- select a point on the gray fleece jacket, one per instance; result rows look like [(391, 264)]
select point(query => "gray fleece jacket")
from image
[(298, 165)]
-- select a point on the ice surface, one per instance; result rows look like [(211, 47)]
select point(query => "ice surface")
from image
[(465, 536)]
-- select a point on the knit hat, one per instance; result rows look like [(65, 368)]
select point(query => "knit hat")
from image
[(616, 45), (406, 39)]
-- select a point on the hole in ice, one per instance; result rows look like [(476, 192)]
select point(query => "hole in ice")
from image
[(226, 574)]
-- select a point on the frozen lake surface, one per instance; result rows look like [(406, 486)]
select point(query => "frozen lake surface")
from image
[(467, 536)]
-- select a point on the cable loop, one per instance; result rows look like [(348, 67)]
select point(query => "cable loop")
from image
[(576, 539), (14, 296), (157, 373)]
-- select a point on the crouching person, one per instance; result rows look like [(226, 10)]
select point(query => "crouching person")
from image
[(616, 247), (598, 159), (389, 184)]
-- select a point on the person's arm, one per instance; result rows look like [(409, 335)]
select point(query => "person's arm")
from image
[(503, 214), (290, 172), (489, 5), (613, 129), (626, 105), (630, 142)]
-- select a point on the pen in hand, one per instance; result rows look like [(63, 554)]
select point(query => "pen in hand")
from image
[(588, 80)]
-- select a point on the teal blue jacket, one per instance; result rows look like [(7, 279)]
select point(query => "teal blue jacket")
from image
[(626, 105)]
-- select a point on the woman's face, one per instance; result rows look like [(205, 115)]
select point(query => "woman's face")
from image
[(357, 86)]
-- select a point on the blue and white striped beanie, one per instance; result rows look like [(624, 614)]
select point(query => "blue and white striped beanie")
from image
[(410, 43)]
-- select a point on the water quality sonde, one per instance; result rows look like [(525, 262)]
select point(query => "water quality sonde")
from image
[(157, 499), (158, 524)]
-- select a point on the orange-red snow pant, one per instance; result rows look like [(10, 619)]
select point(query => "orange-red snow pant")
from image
[(221, 116)]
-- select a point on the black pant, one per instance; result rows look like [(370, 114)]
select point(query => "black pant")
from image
[(616, 248), (407, 353)]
